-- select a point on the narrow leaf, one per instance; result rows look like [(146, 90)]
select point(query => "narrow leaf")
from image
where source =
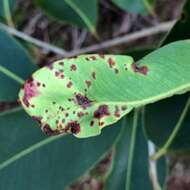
[(81, 13), (15, 64)]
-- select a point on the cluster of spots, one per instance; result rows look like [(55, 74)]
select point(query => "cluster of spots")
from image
[(59, 74), (112, 65), (30, 90), (101, 112), (126, 67), (143, 70), (82, 100), (73, 127), (91, 58), (48, 131)]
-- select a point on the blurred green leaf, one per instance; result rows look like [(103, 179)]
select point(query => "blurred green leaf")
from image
[(14, 58), (161, 118), (135, 6), (11, 4), (82, 13), (181, 29), (139, 177), (49, 167)]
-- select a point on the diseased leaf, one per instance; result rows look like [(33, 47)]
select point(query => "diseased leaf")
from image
[(81, 13), (53, 166), (14, 58), (83, 94)]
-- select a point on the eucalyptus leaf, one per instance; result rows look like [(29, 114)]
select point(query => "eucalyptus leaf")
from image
[(81, 13), (135, 6), (121, 175), (81, 95), (14, 61)]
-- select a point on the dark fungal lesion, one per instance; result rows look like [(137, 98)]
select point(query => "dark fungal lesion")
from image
[(73, 127), (82, 100), (142, 69), (102, 111)]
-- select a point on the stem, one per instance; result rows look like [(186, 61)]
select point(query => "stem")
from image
[(28, 151), (131, 149), (10, 111), (6, 8), (160, 28), (11, 75), (171, 138), (153, 173)]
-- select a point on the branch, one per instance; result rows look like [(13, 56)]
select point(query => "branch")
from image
[(160, 28)]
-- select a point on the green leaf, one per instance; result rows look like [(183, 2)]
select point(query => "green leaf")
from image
[(158, 130), (135, 6), (125, 177), (47, 167), (2, 9), (14, 62), (81, 13), (82, 95)]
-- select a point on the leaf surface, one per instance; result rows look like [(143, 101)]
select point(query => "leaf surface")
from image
[(15, 59), (83, 94)]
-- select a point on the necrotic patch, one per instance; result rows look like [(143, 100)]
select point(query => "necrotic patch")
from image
[(30, 91), (101, 112), (73, 126), (143, 69), (83, 101)]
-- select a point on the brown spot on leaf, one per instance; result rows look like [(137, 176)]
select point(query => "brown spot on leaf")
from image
[(111, 62), (73, 126), (93, 57), (101, 112), (116, 71), (101, 123), (30, 91), (73, 67), (123, 108), (117, 112), (94, 75), (143, 69), (69, 84), (48, 131), (92, 123), (38, 119), (88, 83), (102, 56), (83, 101), (80, 114)]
